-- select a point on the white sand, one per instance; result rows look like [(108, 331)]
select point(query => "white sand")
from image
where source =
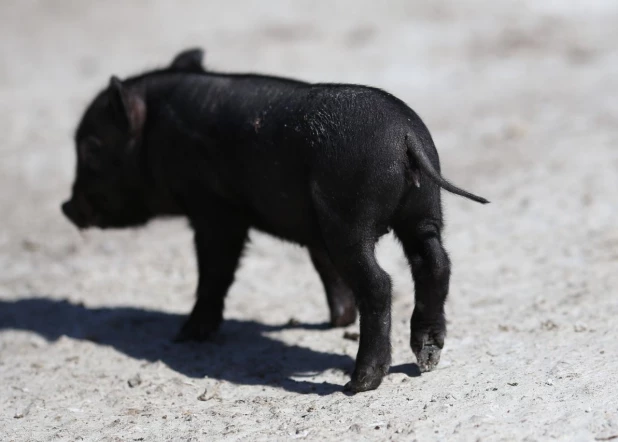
[(522, 99)]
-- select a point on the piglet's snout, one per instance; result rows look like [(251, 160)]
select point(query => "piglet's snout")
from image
[(69, 210)]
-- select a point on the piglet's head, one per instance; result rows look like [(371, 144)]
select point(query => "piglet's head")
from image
[(109, 189)]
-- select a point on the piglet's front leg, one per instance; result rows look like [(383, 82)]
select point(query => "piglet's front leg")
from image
[(218, 244)]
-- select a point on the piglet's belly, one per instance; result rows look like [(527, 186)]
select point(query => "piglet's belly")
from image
[(285, 216)]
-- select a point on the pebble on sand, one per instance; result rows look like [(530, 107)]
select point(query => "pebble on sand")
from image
[(134, 381)]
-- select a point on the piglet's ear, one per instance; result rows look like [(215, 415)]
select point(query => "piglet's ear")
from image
[(128, 105), (190, 60)]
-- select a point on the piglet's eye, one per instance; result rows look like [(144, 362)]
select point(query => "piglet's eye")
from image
[(90, 152)]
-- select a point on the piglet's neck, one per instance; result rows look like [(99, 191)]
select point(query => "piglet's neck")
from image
[(174, 151)]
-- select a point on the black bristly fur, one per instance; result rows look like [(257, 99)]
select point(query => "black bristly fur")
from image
[(328, 166)]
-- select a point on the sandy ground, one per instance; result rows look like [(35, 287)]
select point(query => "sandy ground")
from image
[(521, 97)]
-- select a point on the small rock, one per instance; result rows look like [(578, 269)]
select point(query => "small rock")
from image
[(476, 419), (579, 327), (514, 130), (30, 245), (356, 428), (214, 394), (512, 384), (135, 381), (351, 336), (549, 381), (549, 325), (299, 434), (608, 437)]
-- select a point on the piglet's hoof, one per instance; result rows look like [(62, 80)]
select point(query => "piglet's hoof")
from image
[(194, 330), (428, 357), (427, 346), (364, 385), (365, 382)]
